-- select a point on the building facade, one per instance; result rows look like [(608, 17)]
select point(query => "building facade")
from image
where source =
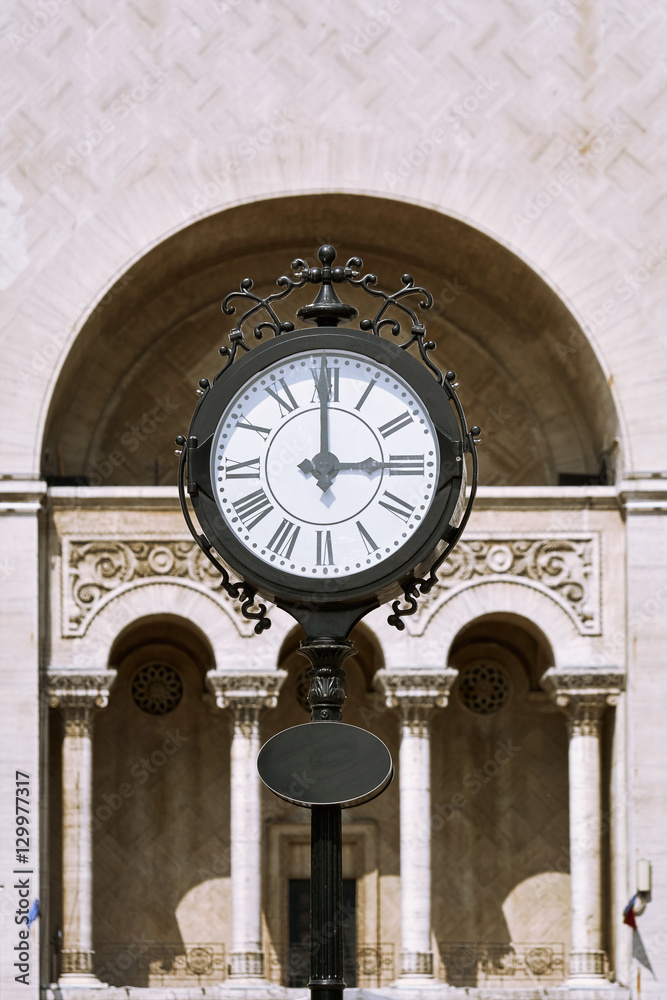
[(506, 155)]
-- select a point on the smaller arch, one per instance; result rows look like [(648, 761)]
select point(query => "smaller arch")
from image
[(200, 610), (539, 613), (181, 634)]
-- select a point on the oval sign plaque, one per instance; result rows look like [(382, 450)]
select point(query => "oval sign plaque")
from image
[(325, 763)]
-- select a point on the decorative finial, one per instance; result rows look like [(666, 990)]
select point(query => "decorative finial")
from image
[(327, 309)]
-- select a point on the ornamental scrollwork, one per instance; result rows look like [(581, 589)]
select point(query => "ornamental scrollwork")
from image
[(567, 567), (94, 569)]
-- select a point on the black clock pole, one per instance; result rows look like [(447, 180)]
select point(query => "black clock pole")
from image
[(325, 697)]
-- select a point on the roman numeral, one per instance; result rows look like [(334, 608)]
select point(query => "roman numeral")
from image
[(288, 406), (404, 511), (283, 541), (402, 420), (333, 382), (233, 469), (252, 508), (406, 465), (371, 546), (366, 393), (262, 431), (324, 549)]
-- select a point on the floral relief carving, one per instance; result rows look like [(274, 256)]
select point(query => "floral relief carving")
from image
[(565, 566), (93, 569)]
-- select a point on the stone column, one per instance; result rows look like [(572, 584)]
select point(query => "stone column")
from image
[(77, 696), (584, 693), (415, 694), (245, 695)]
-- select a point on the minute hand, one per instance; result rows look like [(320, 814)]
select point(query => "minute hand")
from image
[(372, 465), (322, 385)]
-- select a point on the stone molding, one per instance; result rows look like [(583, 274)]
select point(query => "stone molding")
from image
[(566, 566), (246, 692), (96, 569)]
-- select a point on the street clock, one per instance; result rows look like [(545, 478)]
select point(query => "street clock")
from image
[(326, 467)]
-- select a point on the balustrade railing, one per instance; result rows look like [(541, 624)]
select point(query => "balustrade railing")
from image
[(465, 963), (472, 963), (371, 966), (152, 963)]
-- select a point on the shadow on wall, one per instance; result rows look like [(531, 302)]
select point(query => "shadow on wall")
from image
[(499, 816), (160, 804)]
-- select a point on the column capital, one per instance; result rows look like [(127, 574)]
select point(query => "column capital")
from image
[(250, 690), (415, 688), (78, 690), (584, 689)]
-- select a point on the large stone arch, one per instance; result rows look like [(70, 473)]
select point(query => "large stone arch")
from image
[(125, 388)]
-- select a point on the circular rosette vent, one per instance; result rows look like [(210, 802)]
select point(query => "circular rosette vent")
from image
[(157, 688), (484, 687)]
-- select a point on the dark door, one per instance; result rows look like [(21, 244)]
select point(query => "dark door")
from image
[(298, 971)]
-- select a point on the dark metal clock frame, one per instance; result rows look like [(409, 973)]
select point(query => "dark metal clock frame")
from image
[(332, 605)]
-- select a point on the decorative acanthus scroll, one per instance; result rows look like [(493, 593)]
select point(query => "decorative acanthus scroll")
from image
[(566, 566), (92, 569)]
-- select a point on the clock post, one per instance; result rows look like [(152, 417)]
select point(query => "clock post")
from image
[(368, 515)]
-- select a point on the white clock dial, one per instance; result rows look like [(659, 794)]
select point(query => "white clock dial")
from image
[(324, 464)]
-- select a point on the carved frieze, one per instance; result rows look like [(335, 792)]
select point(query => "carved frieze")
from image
[(565, 566), (94, 569)]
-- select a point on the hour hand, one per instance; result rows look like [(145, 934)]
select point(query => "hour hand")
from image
[(306, 466)]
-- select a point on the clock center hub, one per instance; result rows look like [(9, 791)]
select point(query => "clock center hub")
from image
[(295, 478)]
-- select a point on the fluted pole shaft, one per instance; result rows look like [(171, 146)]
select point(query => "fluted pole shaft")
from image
[(326, 903)]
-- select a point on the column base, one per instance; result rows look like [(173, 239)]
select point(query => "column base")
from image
[(246, 967), (588, 969), (77, 970)]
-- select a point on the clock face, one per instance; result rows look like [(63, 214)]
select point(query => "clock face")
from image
[(324, 464)]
